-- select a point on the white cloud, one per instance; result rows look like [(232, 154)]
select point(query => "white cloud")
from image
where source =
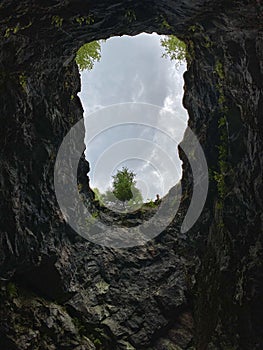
[(138, 89)]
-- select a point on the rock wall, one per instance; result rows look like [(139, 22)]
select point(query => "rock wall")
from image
[(203, 290), (224, 100)]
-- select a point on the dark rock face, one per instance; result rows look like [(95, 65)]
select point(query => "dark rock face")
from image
[(66, 293)]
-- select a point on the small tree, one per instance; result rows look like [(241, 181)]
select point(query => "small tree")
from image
[(123, 182), (175, 49), (88, 54)]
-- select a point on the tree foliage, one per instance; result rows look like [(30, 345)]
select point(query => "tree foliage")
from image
[(88, 54), (97, 194), (175, 49), (123, 190), (123, 182)]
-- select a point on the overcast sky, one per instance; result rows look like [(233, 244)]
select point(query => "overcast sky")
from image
[(133, 111)]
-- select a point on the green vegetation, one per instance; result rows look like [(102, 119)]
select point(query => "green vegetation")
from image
[(123, 183), (57, 21), (150, 204), (205, 40), (223, 166), (88, 54), (207, 43), (80, 20), (16, 29), (221, 76), (22, 80), (85, 331), (108, 198), (97, 343), (219, 70), (175, 49), (123, 191), (193, 28), (136, 202), (130, 16), (85, 20), (93, 218), (12, 30), (11, 290), (219, 176), (97, 194), (164, 23)]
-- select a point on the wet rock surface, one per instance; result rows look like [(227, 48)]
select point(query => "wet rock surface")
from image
[(202, 289)]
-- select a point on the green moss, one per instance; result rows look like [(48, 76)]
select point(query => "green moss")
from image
[(8, 32), (102, 287), (150, 204), (27, 26), (219, 205), (221, 77), (196, 28), (189, 52), (16, 29), (208, 43), (221, 99), (211, 174), (57, 21), (11, 290), (97, 343), (22, 80), (219, 70), (164, 23), (220, 180), (192, 28), (80, 20), (130, 16), (71, 120), (222, 122), (85, 20), (223, 166), (92, 219), (90, 19)]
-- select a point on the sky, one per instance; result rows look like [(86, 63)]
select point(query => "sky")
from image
[(133, 114)]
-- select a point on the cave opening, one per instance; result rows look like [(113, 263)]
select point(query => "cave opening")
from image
[(138, 298), (132, 86)]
